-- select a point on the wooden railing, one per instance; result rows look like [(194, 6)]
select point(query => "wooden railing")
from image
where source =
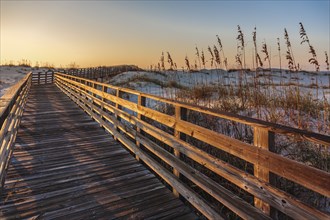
[(100, 73), (43, 77), (169, 155), (11, 110)]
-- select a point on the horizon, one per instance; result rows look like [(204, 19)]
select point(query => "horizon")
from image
[(98, 33)]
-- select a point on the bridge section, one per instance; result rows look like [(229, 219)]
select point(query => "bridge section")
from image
[(65, 166)]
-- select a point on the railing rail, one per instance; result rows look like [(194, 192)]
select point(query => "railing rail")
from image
[(107, 106), (100, 73), (11, 110)]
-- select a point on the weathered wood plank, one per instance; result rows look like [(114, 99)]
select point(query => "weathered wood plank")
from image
[(46, 202), (67, 170), (65, 166), (63, 182), (91, 210), (265, 140)]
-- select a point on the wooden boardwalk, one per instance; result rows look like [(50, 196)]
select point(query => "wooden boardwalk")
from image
[(65, 166)]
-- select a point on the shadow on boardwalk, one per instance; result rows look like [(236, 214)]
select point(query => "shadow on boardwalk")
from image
[(65, 166)]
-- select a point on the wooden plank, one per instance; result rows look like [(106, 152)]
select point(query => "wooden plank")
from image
[(29, 161), (157, 205), (56, 199), (140, 102), (62, 167), (111, 162), (62, 182), (91, 210), (21, 141), (118, 94), (12, 184), (28, 168), (264, 140), (180, 113), (29, 149)]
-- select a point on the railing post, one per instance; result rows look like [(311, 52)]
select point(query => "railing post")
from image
[(38, 78), (140, 102), (87, 84), (94, 85), (266, 140), (52, 79), (81, 87), (180, 114), (117, 107), (104, 90)]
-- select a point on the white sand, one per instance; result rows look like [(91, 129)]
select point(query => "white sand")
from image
[(9, 75)]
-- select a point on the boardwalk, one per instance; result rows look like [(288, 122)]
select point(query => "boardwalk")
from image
[(65, 166)]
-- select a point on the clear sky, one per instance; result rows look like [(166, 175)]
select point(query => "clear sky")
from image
[(92, 33)]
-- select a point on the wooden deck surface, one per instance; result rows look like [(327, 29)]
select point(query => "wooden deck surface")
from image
[(66, 167)]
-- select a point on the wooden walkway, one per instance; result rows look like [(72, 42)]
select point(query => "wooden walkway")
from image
[(65, 166)]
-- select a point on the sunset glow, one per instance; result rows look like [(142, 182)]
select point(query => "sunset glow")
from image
[(93, 33)]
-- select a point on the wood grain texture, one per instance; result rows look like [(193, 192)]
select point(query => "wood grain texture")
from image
[(65, 166), (263, 139)]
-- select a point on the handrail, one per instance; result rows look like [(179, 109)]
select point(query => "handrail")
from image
[(273, 127), (100, 72), (43, 77), (11, 110), (106, 108)]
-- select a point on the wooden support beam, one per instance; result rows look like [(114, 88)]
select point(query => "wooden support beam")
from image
[(104, 90), (180, 114), (264, 139), (53, 77), (117, 107), (140, 102)]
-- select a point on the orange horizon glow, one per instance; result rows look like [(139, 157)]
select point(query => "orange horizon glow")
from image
[(92, 34)]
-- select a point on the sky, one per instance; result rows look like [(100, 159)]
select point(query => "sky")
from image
[(94, 33)]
